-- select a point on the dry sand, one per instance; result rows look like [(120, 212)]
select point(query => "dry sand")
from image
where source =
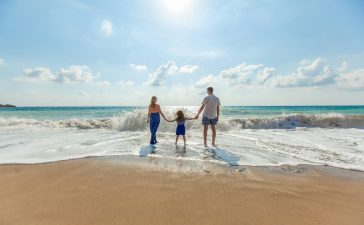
[(94, 191)]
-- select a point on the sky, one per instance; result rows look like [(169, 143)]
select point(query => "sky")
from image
[(253, 52)]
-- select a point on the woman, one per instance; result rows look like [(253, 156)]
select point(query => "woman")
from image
[(154, 118)]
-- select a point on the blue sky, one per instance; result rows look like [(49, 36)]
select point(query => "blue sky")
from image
[(75, 52)]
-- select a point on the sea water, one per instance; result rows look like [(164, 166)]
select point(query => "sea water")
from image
[(256, 135)]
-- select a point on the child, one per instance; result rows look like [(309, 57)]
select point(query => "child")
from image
[(181, 129)]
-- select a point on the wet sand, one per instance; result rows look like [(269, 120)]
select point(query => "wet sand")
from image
[(98, 191)]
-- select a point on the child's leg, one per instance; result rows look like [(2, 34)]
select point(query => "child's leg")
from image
[(177, 138), (184, 139)]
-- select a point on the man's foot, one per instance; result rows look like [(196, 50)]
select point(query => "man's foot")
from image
[(214, 145)]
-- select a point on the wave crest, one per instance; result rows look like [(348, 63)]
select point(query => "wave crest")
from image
[(137, 121)]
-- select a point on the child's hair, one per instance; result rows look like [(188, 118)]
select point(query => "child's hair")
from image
[(180, 116), (153, 101)]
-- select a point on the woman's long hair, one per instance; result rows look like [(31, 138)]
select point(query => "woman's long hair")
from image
[(153, 101), (180, 116)]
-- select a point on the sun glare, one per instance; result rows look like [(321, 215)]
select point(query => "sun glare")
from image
[(177, 7)]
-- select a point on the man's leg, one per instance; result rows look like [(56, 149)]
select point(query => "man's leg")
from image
[(205, 128), (213, 129)]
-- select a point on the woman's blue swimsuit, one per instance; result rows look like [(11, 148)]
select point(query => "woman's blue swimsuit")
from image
[(153, 125), (181, 129)]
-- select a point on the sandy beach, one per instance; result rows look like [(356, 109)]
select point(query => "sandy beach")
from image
[(99, 191)]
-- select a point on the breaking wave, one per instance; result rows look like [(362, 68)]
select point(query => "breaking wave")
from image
[(137, 121)]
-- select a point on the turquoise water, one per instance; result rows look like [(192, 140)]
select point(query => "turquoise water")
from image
[(231, 111), (255, 135)]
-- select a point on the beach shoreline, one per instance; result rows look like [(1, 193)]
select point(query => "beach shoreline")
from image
[(118, 190)]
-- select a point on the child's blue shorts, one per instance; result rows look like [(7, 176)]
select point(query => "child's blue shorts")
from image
[(181, 130)]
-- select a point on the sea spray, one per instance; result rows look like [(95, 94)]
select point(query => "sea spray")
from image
[(137, 121)]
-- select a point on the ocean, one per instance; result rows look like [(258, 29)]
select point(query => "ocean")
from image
[(254, 135)]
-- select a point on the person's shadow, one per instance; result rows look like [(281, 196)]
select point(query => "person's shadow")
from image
[(180, 151)]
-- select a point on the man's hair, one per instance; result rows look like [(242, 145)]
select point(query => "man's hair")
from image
[(210, 90)]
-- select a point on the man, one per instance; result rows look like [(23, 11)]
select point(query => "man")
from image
[(211, 107)]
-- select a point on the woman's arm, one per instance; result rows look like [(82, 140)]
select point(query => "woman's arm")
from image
[(160, 111), (148, 116)]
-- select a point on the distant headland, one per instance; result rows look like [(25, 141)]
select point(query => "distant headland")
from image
[(7, 106)]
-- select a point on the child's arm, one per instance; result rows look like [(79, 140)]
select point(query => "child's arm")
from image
[(191, 118)]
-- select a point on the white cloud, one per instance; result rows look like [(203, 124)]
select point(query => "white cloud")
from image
[(206, 81), (315, 73), (138, 67), (239, 74), (75, 73), (37, 74), (71, 74), (264, 75), (351, 80), (126, 83), (103, 84), (158, 77), (344, 66), (188, 69), (2, 62), (106, 28)]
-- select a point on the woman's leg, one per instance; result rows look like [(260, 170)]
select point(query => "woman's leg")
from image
[(153, 125), (152, 130), (156, 125)]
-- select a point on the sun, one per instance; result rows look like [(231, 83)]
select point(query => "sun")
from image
[(177, 7)]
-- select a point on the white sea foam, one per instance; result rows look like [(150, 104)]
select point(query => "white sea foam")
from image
[(137, 121), (328, 139)]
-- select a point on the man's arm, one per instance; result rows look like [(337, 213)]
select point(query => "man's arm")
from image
[(199, 111), (218, 112)]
